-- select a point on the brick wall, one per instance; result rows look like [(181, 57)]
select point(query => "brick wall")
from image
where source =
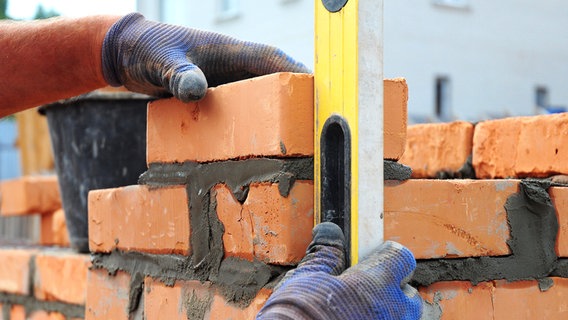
[(490, 232), (226, 207)]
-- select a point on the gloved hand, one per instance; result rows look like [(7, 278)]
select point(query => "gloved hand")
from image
[(319, 288), (160, 59)]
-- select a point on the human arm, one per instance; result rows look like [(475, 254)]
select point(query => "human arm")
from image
[(47, 60), (61, 57), (321, 288)]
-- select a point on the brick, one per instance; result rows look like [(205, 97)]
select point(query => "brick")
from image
[(107, 296), (525, 300), (434, 147), (498, 299), (395, 98), (61, 276), (54, 229), (15, 271), (449, 218), (166, 302), (44, 315), (265, 116), (17, 312), (140, 219), (521, 147), (559, 196), (277, 229), (460, 299), (221, 309), (29, 195)]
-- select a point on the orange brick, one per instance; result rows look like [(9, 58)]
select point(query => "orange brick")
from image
[(395, 117), (521, 146), (17, 312), (277, 229), (15, 271), (107, 296), (559, 196), (525, 300), (165, 302), (139, 218), (238, 236), (265, 116), (435, 147), (28, 195), (61, 276), (460, 299), (221, 309), (44, 315), (54, 229), (449, 218)]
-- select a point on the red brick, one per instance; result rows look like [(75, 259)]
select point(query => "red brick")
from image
[(29, 195), (17, 312), (44, 315), (61, 276), (559, 196), (525, 300), (139, 218), (521, 146), (277, 229), (15, 271), (265, 116), (238, 236), (165, 302), (499, 299), (449, 218), (221, 309), (107, 296), (435, 147), (395, 117), (460, 299), (54, 229)]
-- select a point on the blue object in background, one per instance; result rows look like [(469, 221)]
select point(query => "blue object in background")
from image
[(9, 153)]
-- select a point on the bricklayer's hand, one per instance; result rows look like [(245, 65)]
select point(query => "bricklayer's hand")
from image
[(160, 59), (376, 288)]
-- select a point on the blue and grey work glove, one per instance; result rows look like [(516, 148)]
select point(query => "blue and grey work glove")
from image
[(160, 59), (319, 288)]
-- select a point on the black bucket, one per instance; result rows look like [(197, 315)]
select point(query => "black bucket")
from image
[(99, 141)]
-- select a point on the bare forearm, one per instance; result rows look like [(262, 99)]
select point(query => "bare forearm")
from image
[(44, 61)]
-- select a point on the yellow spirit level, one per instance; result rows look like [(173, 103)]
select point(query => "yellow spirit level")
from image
[(348, 165)]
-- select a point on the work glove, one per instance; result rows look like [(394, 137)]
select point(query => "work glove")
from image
[(160, 59), (319, 288)]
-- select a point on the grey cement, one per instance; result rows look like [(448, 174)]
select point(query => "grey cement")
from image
[(395, 171), (466, 171), (533, 228), (31, 304)]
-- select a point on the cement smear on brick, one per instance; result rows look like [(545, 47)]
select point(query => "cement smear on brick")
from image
[(31, 305), (533, 227), (238, 280), (395, 171)]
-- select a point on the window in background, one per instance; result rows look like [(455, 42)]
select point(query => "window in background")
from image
[(541, 97), (442, 96)]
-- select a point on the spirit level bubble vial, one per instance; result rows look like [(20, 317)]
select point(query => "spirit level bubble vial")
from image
[(348, 165)]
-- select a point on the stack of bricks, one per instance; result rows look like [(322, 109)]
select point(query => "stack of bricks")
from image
[(483, 217), (44, 280), (225, 207)]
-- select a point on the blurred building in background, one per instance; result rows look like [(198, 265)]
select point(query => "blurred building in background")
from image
[(463, 59)]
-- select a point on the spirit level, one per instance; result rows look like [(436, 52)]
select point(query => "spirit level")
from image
[(348, 165)]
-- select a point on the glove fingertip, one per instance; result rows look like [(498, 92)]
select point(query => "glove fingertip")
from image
[(190, 86)]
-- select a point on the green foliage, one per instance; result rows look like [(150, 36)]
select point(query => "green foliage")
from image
[(42, 13), (3, 7)]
